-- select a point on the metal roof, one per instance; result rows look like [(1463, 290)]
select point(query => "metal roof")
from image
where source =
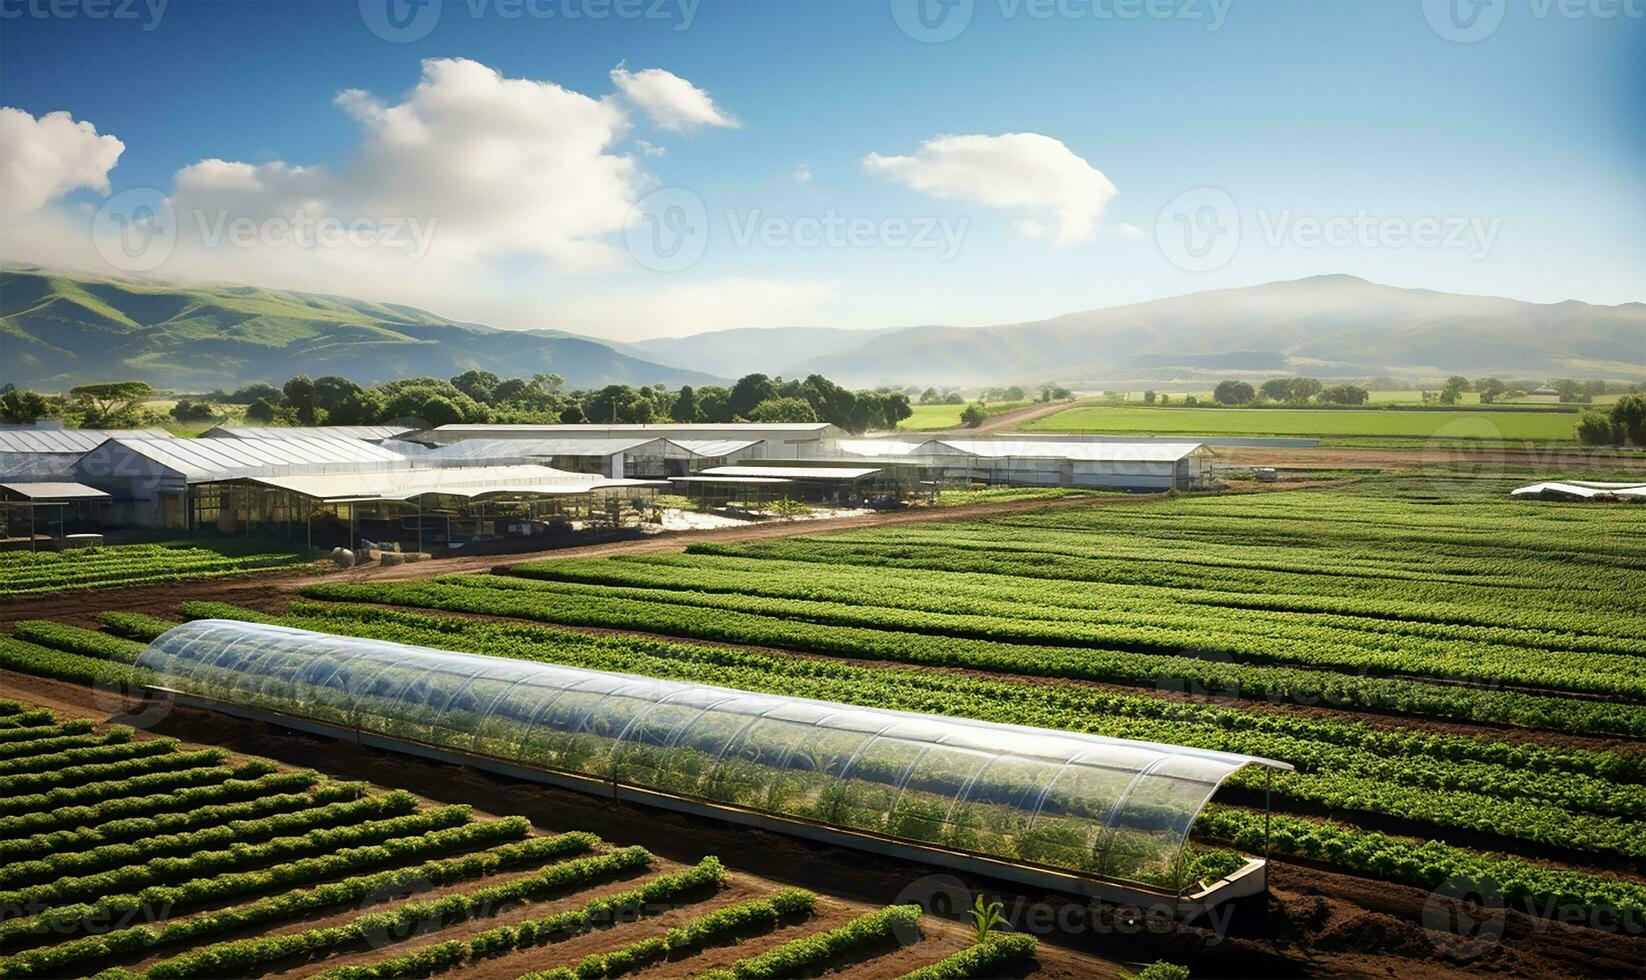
[(728, 479), (69, 440), (459, 481), (658, 428), (877, 447), (370, 433), (794, 472), (714, 448), (200, 460), (1105, 452), (54, 491), (523, 448)]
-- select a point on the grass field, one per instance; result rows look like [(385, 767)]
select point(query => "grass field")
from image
[(927, 418), (1536, 426)]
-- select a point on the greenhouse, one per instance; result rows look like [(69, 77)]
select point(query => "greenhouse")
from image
[(1067, 810)]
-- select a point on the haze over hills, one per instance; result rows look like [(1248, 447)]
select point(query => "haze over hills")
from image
[(1329, 326), (57, 330), (60, 330)]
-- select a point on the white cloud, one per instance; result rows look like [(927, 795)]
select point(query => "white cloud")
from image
[(803, 173), (651, 150), (1029, 228), (1128, 230), (43, 159), (669, 100), (1012, 171)]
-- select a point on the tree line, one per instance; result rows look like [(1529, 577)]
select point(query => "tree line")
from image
[(477, 397)]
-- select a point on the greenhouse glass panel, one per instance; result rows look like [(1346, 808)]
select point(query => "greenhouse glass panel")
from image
[(1111, 808)]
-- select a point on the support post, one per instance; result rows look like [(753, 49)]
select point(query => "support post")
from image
[(1268, 784)]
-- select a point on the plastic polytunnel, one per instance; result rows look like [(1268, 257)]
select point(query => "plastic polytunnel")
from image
[(1110, 808)]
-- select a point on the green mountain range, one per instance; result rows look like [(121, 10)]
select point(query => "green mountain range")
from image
[(59, 330)]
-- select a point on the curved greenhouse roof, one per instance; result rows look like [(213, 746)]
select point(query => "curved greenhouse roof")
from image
[(1111, 808)]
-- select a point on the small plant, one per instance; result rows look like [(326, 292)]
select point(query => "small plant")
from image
[(790, 508), (1162, 970), (987, 918)]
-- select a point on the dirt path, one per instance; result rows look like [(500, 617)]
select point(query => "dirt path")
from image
[(992, 424)]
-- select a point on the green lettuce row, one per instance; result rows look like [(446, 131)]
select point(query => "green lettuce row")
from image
[(809, 952), (177, 870), (237, 832), (62, 743), (32, 718), (985, 959), (159, 793), (29, 733), (134, 626), (68, 919), (117, 749), (73, 639), (84, 953), (72, 777), (249, 956), (29, 658), (733, 921)]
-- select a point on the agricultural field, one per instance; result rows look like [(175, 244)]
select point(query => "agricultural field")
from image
[(31, 573), (1497, 424), (932, 418), (130, 857), (1454, 675)]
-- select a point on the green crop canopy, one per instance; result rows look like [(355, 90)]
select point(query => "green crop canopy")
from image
[(1081, 805)]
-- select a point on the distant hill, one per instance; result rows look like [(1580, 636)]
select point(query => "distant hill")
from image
[(1330, 326), (744, 350), (60, 330)]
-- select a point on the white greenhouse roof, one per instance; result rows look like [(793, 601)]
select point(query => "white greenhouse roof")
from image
[(370, 433), (69, 440), (518, 448), (1581, 490), (794, 472), (458, 481), (216, 459), (1104, 452), (877, 447), (54, 491), (714, 448)]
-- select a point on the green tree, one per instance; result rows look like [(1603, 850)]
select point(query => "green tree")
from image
[(330, 392), (298, 393), (1596, 429), (783, 410), (479, 385), (23, 406), (1454, 388), (262, 411), (110, 403), (191, 411), (1629, 418), (930, 397), (973, 415), (440, 410), (750, 390), (684, 408), (1344, 394), (1148, 398), (1490, 389), (1276, 389), (1233, 393)]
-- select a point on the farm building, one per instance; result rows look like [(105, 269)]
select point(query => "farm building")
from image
[(50, 452), (814, 482), (1098, 816), (366, 433), (29, 510), (785, 440), (644, 456), (1140, 466)]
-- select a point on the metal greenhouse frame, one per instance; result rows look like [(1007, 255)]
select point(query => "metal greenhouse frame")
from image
[(1099, 816)]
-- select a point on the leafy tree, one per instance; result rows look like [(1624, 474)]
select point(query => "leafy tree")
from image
[(330, 392), (479, 385), (930, 397), (1629, 418), (246, 394), (954, 398), (191, 411), (714, 404), (23, 406), (1276, 389), (750, 390), (1490, 389), (1055, 393), (1454, 388), (1344, 394), (1233, 393), (110, 403), (972, 415), (261, 411), (440, 410), (1596, 429), (1304, 389), (684, 408), (783, 410), (572, 414), (1148, 398)]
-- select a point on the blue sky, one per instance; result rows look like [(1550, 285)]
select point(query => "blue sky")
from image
[(1508, 165)]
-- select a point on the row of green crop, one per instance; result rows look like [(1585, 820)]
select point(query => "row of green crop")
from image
[(988, 958), (1142, 656), (25, 719), (62, 743), (177, 870), (731, 922), (26, 574), (77, 726), (1513, 790), (97, 804), (90, 832), (29, 658), (72, 639), (49, 767), (810, 952), (658, 893), (85, 953), (71, 777), (68, 919), (237, 833), (242, 957), (133, 626)]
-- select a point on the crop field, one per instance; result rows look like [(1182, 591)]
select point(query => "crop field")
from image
[(130, 858), (1480, 424), (1455, 676), (928, 418), (30, 573)]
